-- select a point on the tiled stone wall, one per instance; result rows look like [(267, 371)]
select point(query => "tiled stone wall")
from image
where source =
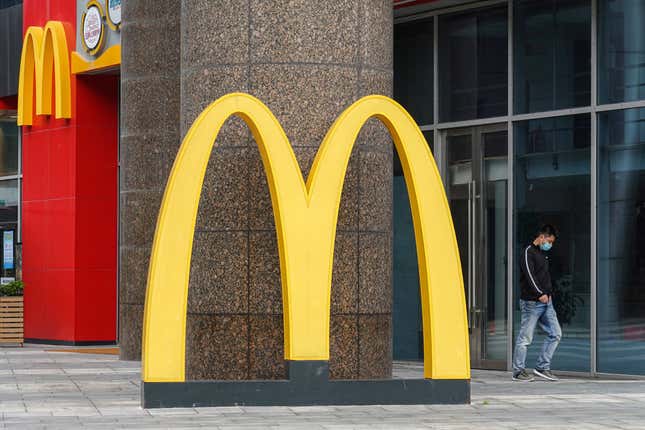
[(150, 136), (308, 61)]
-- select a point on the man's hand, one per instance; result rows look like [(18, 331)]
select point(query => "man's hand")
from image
[(544, 299)]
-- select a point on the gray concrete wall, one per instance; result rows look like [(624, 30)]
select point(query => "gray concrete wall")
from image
[(308, 61)]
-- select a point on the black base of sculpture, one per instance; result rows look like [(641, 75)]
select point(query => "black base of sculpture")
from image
[(308, 384)]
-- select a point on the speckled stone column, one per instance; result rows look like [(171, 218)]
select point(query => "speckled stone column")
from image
[(150, 136), (308, 61)]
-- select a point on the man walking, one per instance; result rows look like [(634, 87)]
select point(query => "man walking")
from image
[(536, 305)]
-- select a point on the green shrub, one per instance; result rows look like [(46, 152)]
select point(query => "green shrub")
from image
[(14, 288)]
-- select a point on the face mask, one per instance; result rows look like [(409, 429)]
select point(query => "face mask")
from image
[(546, 246)]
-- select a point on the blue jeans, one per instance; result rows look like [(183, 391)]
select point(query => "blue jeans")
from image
[(534, 313)]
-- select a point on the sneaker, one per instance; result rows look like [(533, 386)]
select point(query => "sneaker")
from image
[(546, 374), (522, 376)]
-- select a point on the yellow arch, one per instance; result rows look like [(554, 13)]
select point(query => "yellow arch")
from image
[(44, 51), (305, 218), (29, 65)]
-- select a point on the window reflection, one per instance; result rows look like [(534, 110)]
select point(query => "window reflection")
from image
[(8, 147), (621, 242), (414, 69), (552, 185), (473, 64), (552, 54), (621, 50)]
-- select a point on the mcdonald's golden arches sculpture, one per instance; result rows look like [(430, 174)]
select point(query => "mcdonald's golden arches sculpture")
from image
[(305, 216)]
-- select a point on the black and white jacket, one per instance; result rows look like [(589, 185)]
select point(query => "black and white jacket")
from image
[(535, 279)]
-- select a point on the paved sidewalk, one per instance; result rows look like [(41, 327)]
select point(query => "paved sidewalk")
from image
[(62, 390)]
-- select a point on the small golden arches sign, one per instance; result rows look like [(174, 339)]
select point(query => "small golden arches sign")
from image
[(306, 215), (44, 50), (45, 55)]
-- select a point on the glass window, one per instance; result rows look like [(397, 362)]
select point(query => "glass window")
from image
[(8, 147), (552, 55), (621, 50), (9, 3), (494, 255), (473, 64), (414, 70), (407, 325), (9, 200), (621, 242), (9, 203), (9, 188), (552, 185)]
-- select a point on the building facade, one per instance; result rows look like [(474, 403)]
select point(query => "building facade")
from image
[(10, 166), (532, 109)]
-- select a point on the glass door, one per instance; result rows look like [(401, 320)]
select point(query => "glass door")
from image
[(477, 182)]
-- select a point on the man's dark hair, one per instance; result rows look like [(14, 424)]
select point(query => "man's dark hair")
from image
[(547, 230)]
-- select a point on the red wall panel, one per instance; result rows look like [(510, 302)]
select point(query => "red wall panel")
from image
[(61, 163), (98, 297), (70, 194), (60, 221), (35, 165)]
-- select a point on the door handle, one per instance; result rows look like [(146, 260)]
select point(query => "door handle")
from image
[(473, 247), (470, 252)]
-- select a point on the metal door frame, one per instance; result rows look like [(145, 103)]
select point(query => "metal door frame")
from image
[(476, 285)]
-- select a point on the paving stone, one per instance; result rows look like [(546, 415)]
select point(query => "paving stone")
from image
[(43, 389)]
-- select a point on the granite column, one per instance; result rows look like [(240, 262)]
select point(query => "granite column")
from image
[(308, 61), (150, 137)]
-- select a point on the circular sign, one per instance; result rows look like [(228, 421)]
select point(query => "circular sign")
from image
[(92, 26), (114, 13)]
